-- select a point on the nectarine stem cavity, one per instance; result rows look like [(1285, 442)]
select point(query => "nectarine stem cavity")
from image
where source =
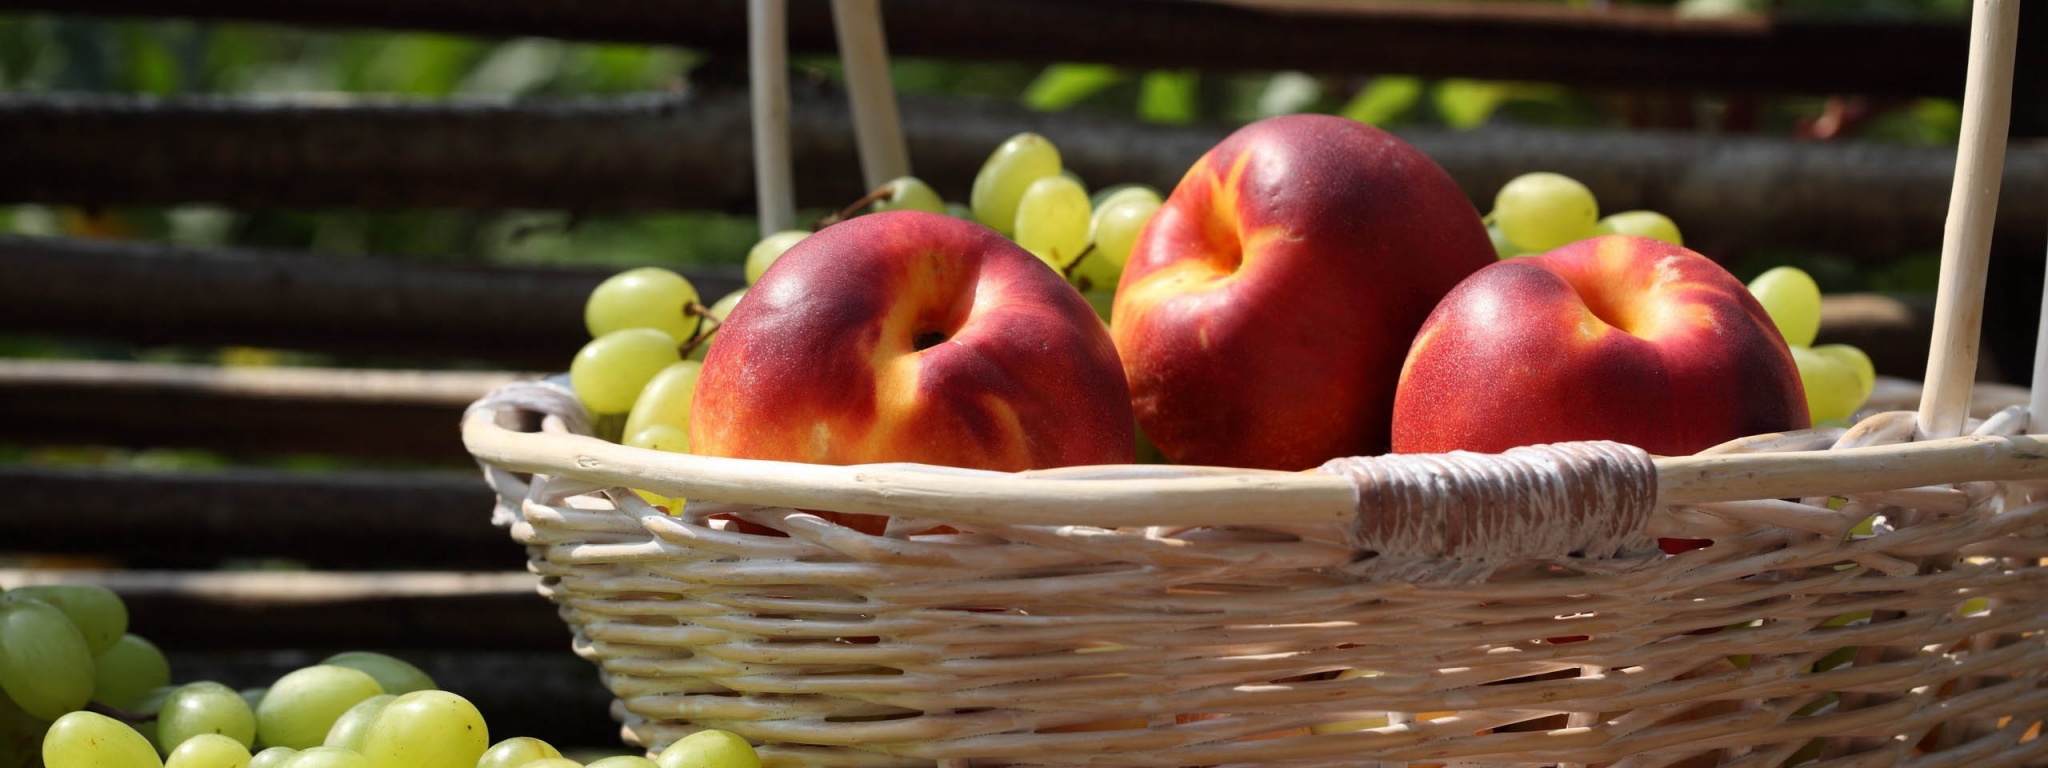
[(927, 340)]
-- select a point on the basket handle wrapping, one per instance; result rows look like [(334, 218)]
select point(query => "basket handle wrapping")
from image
[(1456, 516)]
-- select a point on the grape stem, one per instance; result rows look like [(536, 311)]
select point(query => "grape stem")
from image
[(119, 714), (853, 209), (707, 323), (1086, 251)]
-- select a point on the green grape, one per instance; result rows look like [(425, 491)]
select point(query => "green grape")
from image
[(393, 674), (770, 249), (427, 729), (666, 399), (1501, 246), (718, 311), (1541, 211), (709, 749), (960, 211), (99, 613), (909, 193), (21, 735), (1792, 299), (253, 696), (1102, 196), (647, 297), (128, 669), (273, 757), (660, 437), (348, 729), (609, 372), (301, 707), (327, 757), (1833, 388), (623, 761), (1853, 358), (1114, 229), (553, 762), (1052, 220), (1000, 184), (93, 740), (515, 752), (209, 750), (204, 707), (1650, 224), (45, 664)]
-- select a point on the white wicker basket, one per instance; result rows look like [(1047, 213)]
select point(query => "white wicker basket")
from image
[(1455, 609)]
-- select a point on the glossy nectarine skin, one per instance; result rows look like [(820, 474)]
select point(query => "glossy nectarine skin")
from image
[(1266, 308), (913, 337), (1614, 338)]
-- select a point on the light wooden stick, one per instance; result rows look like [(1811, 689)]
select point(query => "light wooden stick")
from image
[(768, 83), (1973, 204), (876, 125), (2037, 399)]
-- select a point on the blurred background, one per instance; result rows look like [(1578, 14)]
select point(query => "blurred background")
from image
[(256, 257)]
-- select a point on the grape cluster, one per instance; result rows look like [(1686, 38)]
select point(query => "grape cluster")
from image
[(1535, 212), (1838, 378), (82, 692)]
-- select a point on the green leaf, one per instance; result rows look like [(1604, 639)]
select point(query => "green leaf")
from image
[(1168, 96), (1383, 100), (1468, 103), (1063, 85)]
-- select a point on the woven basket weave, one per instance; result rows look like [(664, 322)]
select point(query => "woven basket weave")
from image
[(1872, 596)]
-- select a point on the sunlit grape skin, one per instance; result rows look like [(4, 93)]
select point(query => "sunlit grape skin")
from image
[(427, 729), (1052, 220), (204, 707), (209, 750), (1543, 210), (515, 752), (1008, 171), (709, 749), (1792, 298), (1112, 231), (609, 372), (45, 665), (93, 740), (767, 250), (393, 674), (98, 613), (1650, 224), (646, 297), (910, 193), (301, 706)]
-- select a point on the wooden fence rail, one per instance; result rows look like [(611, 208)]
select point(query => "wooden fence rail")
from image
[(688, 151), (1619, 47)]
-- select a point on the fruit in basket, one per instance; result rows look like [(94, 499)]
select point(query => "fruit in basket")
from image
[(204, 707), (1264, 310), (915, 337), (1613, 338), (1006, 174), (770, 248), (646, 297), (1052, 220), (609, 371), (93, 740), (426, 729), (1792, 299), (1650, 224), (208, 750), (709, 749), (1543, 210)]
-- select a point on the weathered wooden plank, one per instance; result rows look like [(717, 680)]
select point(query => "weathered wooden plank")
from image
[(1728, 192), (326, 611), (146, 293), (377, 415), (203, 519), (1615, 46)]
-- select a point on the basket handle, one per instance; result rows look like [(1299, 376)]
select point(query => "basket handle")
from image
[(1973, 209)]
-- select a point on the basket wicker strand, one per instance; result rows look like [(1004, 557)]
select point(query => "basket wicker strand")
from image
[(1873, 595)]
